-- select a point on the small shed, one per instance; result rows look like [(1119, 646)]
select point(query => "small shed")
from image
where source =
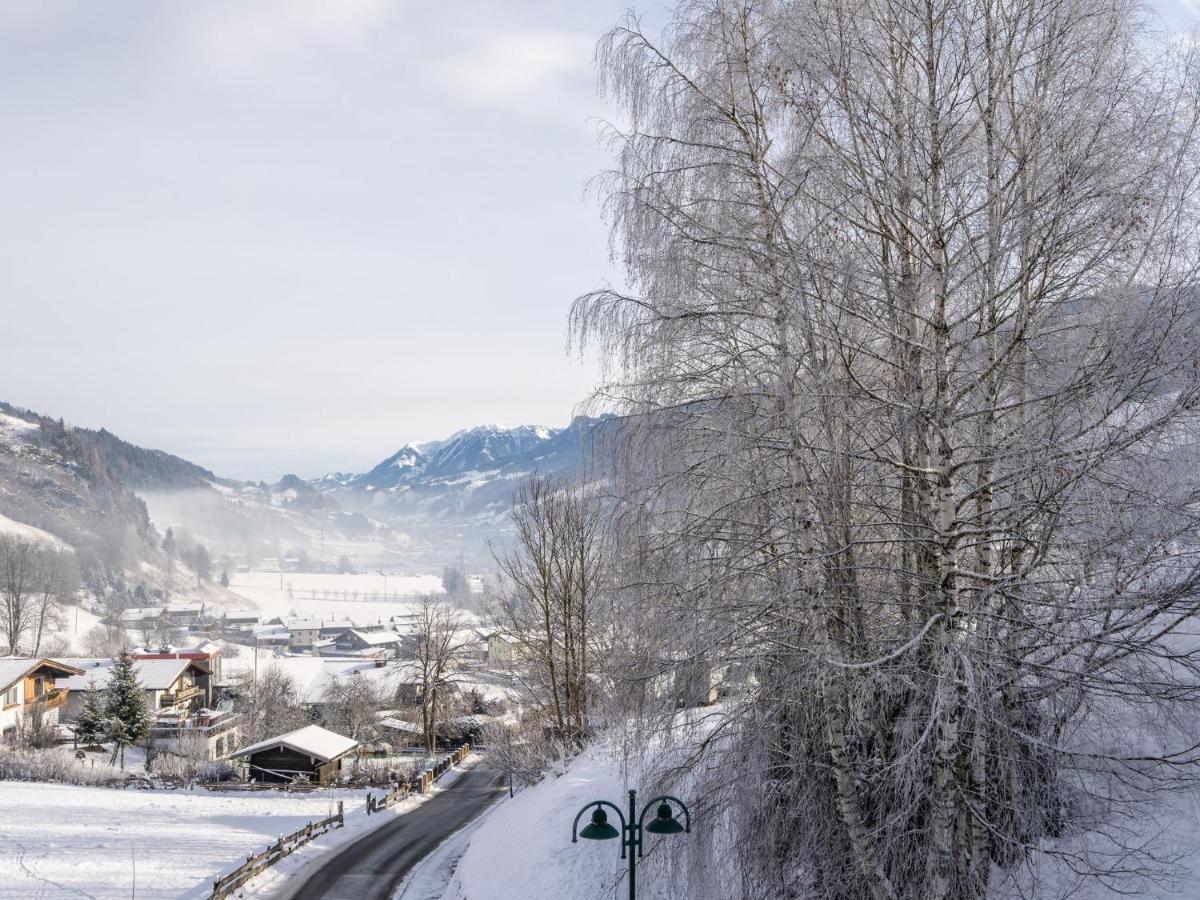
[(312, 752)]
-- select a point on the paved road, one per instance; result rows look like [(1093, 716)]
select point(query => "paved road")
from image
[(373, 866)]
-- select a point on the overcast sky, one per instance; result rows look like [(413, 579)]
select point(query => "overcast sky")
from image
[(292, 235)]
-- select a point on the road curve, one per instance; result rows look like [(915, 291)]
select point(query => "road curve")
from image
[(372, 867)]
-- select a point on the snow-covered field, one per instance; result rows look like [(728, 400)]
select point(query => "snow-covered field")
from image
[(361, 597), (67, 841)]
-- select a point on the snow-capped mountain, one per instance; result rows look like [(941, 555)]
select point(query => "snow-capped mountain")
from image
[(484, 450), (469, 478)]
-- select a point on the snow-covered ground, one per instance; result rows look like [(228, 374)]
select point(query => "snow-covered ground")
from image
[(68, 841), (523, 848), (361, 597), (11, 526)]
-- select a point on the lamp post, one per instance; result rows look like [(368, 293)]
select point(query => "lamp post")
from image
[(664, 822)]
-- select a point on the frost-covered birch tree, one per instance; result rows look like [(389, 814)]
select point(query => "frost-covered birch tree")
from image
[(911, 345)]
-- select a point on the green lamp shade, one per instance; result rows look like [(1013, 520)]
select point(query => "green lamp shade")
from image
[(664, 822), (599, 830)]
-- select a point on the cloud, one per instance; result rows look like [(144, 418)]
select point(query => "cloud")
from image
[(237, 39), (518, 71)]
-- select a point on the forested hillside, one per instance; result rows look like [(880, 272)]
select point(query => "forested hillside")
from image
[(57, 478)]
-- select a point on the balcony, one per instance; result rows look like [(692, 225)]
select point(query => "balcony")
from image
[(214, 723), (181, 696), (52, 699)]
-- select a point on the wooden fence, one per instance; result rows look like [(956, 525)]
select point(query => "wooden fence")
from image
[(225, 885), (423, 783)]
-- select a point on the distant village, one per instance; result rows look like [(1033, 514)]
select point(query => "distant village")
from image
[(288, 701)]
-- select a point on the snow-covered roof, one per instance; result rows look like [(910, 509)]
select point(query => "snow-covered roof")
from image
[(313, 740), (185, 607), (393, 724), (136, 614), (303, 624), (152, 674), (374, 637), (14, 668), (310, 674)]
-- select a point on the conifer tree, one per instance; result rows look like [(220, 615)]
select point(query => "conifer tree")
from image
[(90, 726), (127, 718)]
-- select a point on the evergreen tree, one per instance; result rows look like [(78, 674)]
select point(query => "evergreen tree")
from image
[(224, 578), (202, 563), (127, 718), (168, 543), (89, 727)]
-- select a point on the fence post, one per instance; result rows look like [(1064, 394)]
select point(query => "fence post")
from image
[(340, 821)]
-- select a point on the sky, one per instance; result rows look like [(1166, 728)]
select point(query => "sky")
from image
[(292, 235)]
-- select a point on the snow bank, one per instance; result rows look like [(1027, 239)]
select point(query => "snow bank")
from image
[(523, 849)]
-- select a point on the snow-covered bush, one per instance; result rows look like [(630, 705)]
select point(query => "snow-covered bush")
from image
[(57, 764), (526, 751), (184, 767)]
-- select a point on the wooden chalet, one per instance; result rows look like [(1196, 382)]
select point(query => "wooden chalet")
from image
[(25, 682), (311, 753)]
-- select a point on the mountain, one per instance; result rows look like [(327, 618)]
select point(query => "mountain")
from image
[(464, 485), (59, 479), (487, 449), (145, 470), (100, 494)]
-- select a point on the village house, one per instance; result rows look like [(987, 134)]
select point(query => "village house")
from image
[(141, 617), (26, 682), (501, 650), (270, 635), (207, 733), (184, 613), (206, 652), (335, 629), (376, 642), (304, 632), (168, 684), (238, 621), (311, 753)]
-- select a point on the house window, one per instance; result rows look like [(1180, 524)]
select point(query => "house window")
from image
[(12, 695)]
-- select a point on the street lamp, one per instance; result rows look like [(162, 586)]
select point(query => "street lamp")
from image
[(664, 822)]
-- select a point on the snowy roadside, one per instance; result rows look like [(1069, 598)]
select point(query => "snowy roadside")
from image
[(281, 880), (430, 879)]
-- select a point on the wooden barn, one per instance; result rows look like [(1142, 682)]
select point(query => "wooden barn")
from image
[(310, 753)]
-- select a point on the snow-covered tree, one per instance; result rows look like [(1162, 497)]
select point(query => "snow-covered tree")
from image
[(911, 357), (552, 579), (270, 706), (438, 630), (352, 704), (90, 723), (127, 717)]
